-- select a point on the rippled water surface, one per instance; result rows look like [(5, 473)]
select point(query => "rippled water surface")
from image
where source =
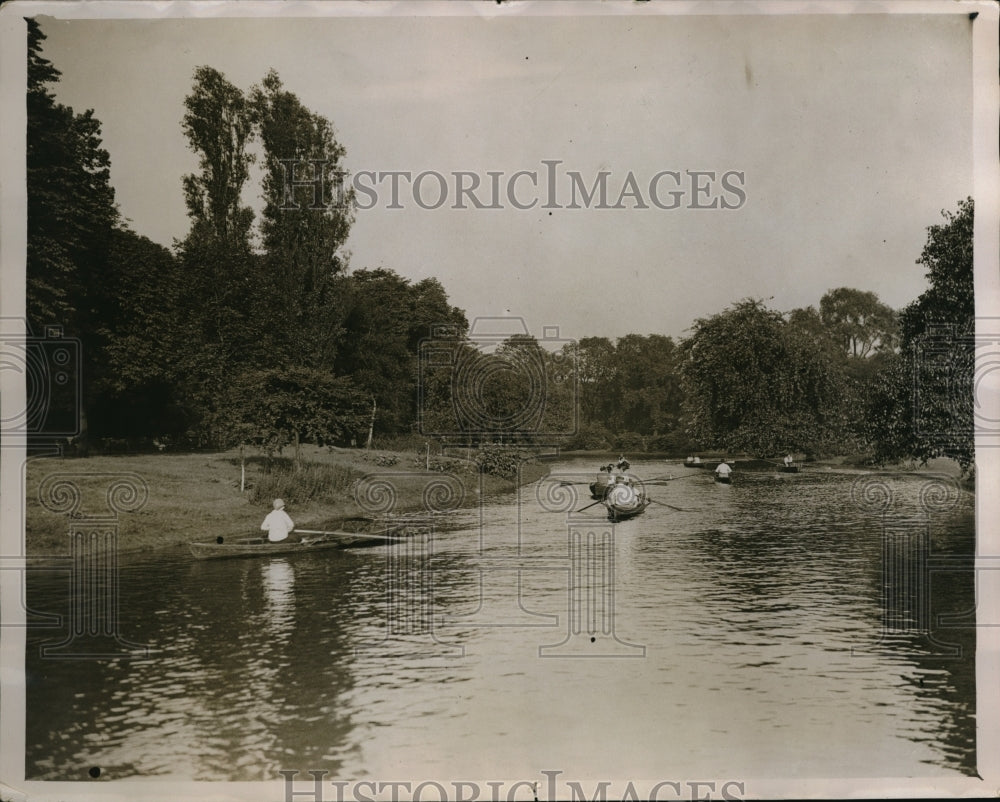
[(781, 626)]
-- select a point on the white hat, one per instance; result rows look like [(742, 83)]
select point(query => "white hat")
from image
[(278, 504)]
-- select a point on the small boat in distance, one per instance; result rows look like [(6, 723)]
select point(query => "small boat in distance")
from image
[(788, 464)]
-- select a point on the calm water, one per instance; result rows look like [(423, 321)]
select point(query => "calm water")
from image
[(752, 633)]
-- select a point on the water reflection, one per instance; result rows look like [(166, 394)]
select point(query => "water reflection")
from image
[(760, 609)]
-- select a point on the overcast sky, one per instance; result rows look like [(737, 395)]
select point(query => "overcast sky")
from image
[(851, 133)]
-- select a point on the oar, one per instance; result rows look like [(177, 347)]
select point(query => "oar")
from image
[(591, 505), (678, 509), (672, 478), (366, 535)]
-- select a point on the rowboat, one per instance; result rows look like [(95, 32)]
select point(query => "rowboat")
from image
[(694, 464), (618, 513), (789, 469), (724, 480), (624, 501), (298, 543)]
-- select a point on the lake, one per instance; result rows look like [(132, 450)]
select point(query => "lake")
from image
[(818, 624)]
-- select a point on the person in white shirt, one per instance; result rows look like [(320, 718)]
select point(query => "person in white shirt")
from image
[(723, 470), (277, 524)]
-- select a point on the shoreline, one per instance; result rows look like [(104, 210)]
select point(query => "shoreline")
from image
[(197, 496)]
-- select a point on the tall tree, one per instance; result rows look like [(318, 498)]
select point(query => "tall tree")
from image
[(859, 320), (303, 227), (71, 216), (218, 125), (218, 321)]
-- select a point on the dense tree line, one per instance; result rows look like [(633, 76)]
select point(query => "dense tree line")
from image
[(241, 333), (851, 377), (258, 332)]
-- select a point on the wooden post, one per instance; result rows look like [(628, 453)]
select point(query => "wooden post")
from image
[(371, 426), (427, 456)]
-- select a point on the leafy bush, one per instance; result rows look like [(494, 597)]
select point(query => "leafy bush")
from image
[(384, 460), (499, 460)]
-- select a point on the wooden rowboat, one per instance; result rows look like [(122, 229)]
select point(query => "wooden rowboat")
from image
[(619, 513), (256, 546), (789, 469), (625, 501), (724, 480)]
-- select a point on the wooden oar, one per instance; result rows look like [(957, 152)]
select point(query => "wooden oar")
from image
[(591, 505), (678, 509), (662, 479), (366, 535)]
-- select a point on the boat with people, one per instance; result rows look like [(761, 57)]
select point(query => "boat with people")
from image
[(724, 473), (788, 464), (351, 534), (599, 487), (625, 500)]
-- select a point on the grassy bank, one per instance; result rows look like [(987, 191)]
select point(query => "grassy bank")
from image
[(198, 496)]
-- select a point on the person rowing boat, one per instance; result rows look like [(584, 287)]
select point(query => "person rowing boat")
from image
[(277, 524), (723, 473)]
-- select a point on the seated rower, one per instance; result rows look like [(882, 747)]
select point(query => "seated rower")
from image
[(723, 470), (277, 524)]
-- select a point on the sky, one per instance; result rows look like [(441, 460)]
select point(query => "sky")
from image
[(850, 134)]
